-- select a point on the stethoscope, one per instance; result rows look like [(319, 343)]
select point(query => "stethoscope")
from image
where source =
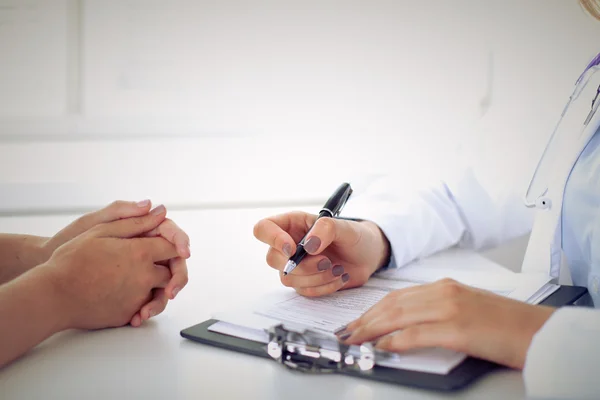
[(542, 201)]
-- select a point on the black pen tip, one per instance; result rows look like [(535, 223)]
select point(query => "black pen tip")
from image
[(284, 273)]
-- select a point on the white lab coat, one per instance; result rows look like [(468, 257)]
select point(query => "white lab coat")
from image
[(563, 360)]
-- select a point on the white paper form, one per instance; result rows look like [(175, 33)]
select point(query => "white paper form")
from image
[(474, 270), (323, 314), (326, 315)]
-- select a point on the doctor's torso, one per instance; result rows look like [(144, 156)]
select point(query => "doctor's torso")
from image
[(581, 220), (567, 193)]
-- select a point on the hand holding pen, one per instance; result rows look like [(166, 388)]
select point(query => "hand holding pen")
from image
[(329, 253)]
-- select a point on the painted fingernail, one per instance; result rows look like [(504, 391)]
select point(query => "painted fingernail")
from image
[(143, 203), (158, 210), (341, 330), (345, 278), (345, 336), (324, 264), (312, 244), (175, 291), (337, 270), (287, 250)]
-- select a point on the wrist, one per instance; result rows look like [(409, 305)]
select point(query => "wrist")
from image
[(381, 246), (49, 287), (526, 329)]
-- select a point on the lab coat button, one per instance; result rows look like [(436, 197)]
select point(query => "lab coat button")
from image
[(543, 203)]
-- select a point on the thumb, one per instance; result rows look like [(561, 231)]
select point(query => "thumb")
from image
[(329, 230), (134, 226)]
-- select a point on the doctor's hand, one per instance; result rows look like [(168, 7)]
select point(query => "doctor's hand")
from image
[(166, 229), (342, 254), (450, 315)]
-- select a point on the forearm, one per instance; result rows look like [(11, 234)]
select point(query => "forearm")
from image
[(30, 313), (18, 254)]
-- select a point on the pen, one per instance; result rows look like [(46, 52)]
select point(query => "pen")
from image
[(331, 209)]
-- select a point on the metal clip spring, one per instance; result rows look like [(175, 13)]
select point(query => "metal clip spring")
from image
[(312, 352)]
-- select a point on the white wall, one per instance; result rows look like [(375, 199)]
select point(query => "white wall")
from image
[(206, 103)]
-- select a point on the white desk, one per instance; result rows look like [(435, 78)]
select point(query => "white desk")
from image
[(154, 362)]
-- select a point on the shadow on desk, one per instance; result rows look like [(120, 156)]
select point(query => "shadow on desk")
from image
[(509, 254)]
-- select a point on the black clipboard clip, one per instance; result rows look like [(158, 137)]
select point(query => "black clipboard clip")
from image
[(312, 352)]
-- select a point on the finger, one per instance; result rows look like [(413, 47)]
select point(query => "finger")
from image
[(414, 294), (296, 223), (120, 209), (436, 334), (327, 230), (158, 277), (323, 290), (310, 264), (174, 234), (135, 226), (268, 232), (179, 277), (378, 308), (276, 259), (155, 249), (318, 279), (397, 318), (114, 211), (136, 320), (155, 306)]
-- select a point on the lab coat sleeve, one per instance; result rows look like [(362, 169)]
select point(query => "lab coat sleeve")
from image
[(420, 219), (416, 222), (563, 360)]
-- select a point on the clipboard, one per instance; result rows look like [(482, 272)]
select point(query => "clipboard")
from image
[(462, 375)]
